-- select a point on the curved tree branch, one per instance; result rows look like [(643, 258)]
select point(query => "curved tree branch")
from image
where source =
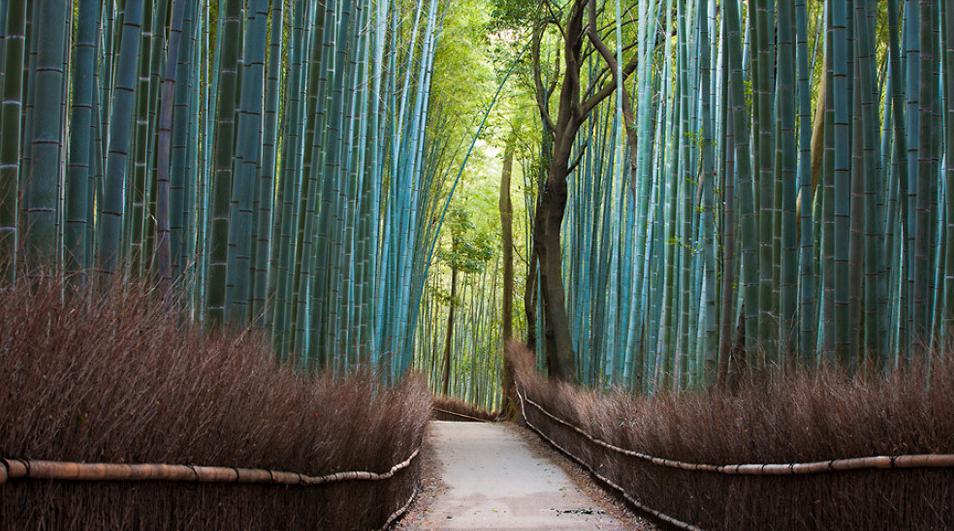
[(543, 95)]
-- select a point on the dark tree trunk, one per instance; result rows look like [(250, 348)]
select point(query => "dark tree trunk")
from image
[(549, 220), (543, 93), (530, 291), (530, 301), (449, 337)]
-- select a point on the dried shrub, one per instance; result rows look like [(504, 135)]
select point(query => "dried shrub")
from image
[(797, 416), (124, 378), (462, 409)]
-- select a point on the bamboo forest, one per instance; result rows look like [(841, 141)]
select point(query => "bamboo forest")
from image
[(476, 264)]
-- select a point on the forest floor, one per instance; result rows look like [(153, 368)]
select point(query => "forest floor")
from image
[(498, 476)]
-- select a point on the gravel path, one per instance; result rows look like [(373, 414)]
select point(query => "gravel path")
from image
[(493, 479)]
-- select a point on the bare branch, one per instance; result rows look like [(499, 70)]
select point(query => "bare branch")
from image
[(610, 59), (579, 157), (543, 95)]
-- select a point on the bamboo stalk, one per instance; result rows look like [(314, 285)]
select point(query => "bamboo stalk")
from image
[(42, 244), (122, 104), (11, 107)]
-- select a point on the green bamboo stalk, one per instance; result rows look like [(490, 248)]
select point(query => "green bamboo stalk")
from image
[(182, 187), (786, 112), (729, 268), (948, 65), (46, 141), (286, 202), (137, 194), (807, 307), (761, 57), (223, 160), (269, 166), (747, 202), (10, 130), (81, 141), (164, 151), (245, 170), (874, 282), (912, 139), (842, 180), (926, 174), (109, 226)]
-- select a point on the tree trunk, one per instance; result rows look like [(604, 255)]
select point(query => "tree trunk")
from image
[(506, 231), (557, 340), (530, 300), (449, 337), (550, 211), (573, 112), (530, 291)]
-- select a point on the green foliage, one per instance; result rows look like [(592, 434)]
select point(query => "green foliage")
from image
[(470, 248), (465, 81), (514, 14)]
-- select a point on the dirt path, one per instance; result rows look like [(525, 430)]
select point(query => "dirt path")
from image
[(492, 479)]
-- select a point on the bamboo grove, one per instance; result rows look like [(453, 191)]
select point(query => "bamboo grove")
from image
[(773, 189), (271, 159), (710, 185)]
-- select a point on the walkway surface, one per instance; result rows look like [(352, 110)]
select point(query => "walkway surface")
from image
[(494, 480)]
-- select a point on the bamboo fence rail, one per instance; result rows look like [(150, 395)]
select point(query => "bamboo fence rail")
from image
[(396, 515), (13, 469), (880, 462)]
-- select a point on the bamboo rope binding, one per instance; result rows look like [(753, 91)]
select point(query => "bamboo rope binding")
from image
[(68, 471), (657, 514), (880, 462)]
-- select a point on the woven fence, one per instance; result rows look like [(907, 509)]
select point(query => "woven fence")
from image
[(19, 477), (875, 492)]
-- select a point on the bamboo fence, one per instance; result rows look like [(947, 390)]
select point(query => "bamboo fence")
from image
[(657, 514), (396, 515), (879, 462), (747, 469), (22, 469)]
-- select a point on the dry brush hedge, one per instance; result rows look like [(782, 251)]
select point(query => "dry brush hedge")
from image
[(121, 379), (798, 418)]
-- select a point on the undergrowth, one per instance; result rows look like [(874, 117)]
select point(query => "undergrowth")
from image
[(123, 378), (797, 416)]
